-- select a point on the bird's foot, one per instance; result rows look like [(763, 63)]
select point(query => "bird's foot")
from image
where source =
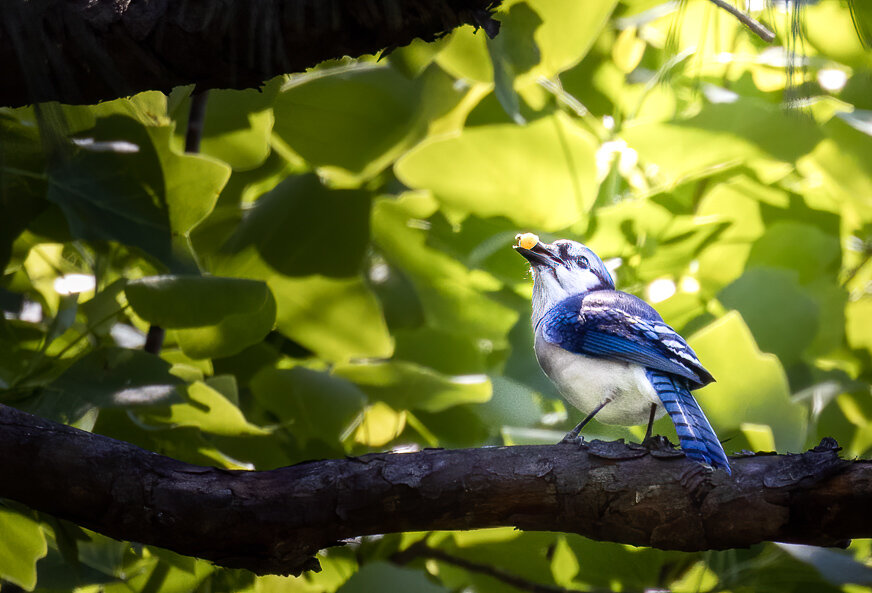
[(657, 443), (573, 439)]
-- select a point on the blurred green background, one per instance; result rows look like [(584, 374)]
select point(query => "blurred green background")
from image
[(339, 277)]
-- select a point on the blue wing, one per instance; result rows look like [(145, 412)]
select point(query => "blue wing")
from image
[(695, 434), (619, 326)]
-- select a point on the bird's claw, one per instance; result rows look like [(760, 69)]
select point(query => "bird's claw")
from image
[(657, 442), (573, 439)]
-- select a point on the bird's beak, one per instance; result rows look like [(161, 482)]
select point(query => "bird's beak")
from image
[(539, 254)]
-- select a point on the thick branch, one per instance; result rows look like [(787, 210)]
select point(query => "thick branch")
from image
[(275, 521), (85, 52)]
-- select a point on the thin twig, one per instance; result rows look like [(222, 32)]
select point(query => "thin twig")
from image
[(867, 256), (196, 119), (756, 26), (422, 550)]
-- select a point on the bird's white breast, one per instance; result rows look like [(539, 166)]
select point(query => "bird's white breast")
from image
[(586, 381)]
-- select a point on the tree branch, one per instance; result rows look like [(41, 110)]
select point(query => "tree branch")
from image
[(276, 521), (85, 52), (756, 27)]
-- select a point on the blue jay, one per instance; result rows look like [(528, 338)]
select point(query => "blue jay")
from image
[(610, 353)]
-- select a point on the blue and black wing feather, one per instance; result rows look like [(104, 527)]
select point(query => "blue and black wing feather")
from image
[(695, 434), (619, 326)]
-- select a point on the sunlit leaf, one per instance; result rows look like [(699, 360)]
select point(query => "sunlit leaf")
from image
[(207, 410), (540, 175), (22, 544), (733, 133), (751, 386)]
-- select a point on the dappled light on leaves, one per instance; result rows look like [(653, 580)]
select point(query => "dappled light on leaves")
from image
[(335, 275)]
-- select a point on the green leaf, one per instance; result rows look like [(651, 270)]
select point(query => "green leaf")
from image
[(782, 317), (465, 56), (407, 386), (857, 326), (797, 246), (237, 125), (338, 319), (314, 405), (231, 335), (541, 175), (564, 564), (732, 133), (376, 576), (512, 404), (103, 311), (454, 298), (751, 386), (842, 160), (108, 378), (351, 121), (192, 183), (301, 227), (136, 190), (513, 52), (836, 566), (22, 544), (194, 301), (207, 410), (568, 30), (167, 573), (445, 352)]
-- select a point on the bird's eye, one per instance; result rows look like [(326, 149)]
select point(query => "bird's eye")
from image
[(583, 261)]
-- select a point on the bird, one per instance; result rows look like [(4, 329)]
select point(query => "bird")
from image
[(609, 353)]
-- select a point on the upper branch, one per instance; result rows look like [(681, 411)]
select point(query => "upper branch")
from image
[(85, 52), (275, 521)]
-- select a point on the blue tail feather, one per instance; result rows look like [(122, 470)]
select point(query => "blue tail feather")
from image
[(695, 434)]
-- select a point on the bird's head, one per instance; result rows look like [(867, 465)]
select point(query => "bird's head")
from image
[(561, 269)]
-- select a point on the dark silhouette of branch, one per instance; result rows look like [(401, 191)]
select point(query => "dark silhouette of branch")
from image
[(85, 52), (276, 521)]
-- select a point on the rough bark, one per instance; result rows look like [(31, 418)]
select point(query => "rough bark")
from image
[(275, 521), (87, 51)]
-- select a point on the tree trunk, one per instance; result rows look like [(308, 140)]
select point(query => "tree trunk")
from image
[(276, 521)]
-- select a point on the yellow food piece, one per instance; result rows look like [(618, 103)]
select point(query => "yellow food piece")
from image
[(527, 240)]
